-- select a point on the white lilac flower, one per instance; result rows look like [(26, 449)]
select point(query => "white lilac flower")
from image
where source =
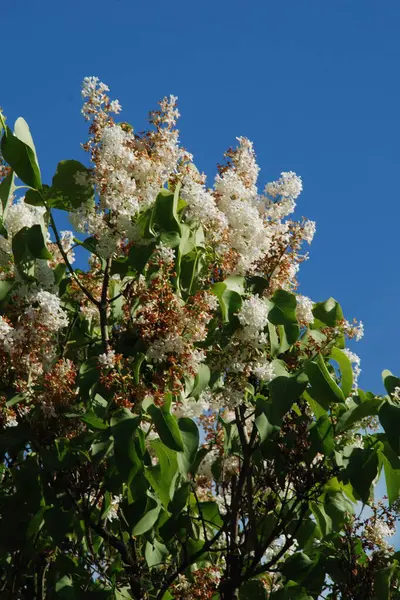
[(112, 512), (115, 107), (11, 421), (21, 215), (264, 370), (377, 532), (90, 85), (358, 441), (360, 331), (355, 365), (67, 241), (304, 308), (159, 349), (165, 254), (6, 335), (44, 274), (396, 393), (289, 185), (201, 205), (49, 312), (107, 359), (253, 316), (244, 159), (309, 229), (212, 301), (189, 407)]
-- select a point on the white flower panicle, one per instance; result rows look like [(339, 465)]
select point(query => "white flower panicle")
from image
[(253, 316), (164, 254), (107, 359), (6, 334), (355, 365), (289, 185), (264, 370), (309, 229), (304, 308), (67, 242), (46, 309), (396, 394), (21, 215)]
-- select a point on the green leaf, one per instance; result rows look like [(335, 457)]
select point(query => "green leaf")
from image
[(283, 312), (365, 409), (321, 436), (284, 391), (155, 553), (22, 131), (319, 408), (180, 499), (362, 470), (273, 340), (337, 506), (65, 193), (210, 513), (201, 380), (391, 467), (390, 381), (190, 438), (346, 370), (139, 255), (21, 159), (88, 376), (166, 426), (7, 188), (36, 523), (91, 419), (328, 312), (123, 427), (323, 386), (389, 416), (253, 590), (297, 567), (36, 243), (65, 588), (171, 239), (149, 519), (264, 427), (383, 579), (5, 287), (34, 198), (324, 521), (162, 477), (165, 211), (230, 301)]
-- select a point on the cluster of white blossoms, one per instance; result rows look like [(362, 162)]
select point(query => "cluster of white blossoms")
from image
[(18, 215), (377, 531), (304, 310), (129, 169), (107, 359), (6, 335), (45, 309), (253, 317), (396, 394), (355, 365)]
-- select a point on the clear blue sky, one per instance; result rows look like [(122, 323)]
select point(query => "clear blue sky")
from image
[(314, 83)]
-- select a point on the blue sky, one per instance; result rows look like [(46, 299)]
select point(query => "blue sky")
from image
[(314, 84)]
